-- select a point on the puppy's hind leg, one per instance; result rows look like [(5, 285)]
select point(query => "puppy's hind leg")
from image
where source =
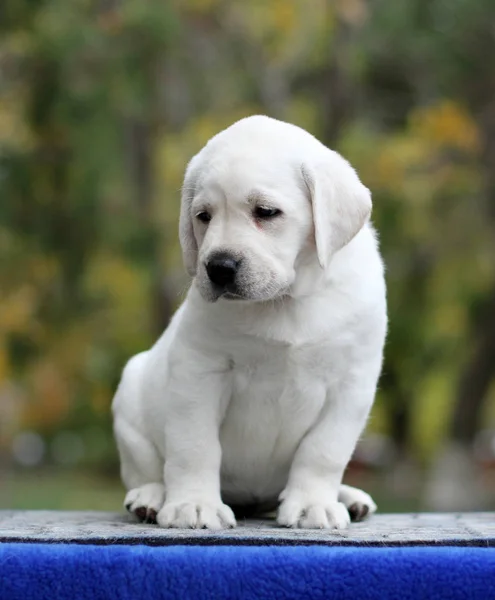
[(358, 503), (141, 470), (141, 466)]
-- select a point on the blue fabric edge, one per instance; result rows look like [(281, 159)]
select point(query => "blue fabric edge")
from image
[(69, 571)]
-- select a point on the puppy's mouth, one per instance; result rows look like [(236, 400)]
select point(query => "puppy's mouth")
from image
[(239, 295), (212, 292), (232, 293), (243, 291)]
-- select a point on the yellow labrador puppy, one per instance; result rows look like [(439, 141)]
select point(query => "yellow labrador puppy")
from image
[(258, 390)]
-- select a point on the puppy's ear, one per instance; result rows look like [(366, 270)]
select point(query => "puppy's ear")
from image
[(341, 203), (186, 233)]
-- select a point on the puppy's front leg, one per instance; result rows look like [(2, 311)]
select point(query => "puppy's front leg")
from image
[(310, 498), (196, 403)]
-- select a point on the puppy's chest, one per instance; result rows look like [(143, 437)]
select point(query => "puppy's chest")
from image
[(278, 383), (277, 395)]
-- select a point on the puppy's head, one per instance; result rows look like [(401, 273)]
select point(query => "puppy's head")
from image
[(256, 197)]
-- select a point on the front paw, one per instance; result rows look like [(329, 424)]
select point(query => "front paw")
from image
[(307, 512), (196, 515)]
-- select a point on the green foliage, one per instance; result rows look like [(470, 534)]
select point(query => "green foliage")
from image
[(103, 103)]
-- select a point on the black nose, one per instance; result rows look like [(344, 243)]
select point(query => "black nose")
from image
[(222, 269)]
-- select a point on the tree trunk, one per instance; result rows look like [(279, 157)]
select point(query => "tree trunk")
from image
[(475, 381), (337, 89), (476, 378), (141, 140)]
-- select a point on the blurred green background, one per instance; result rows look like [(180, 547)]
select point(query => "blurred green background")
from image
[(102, 103)]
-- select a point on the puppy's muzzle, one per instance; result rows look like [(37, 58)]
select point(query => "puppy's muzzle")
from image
[(222, 270)]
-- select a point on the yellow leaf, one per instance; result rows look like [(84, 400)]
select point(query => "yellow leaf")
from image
[(447, 124)]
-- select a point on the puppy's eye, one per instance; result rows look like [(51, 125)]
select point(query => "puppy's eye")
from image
[(264, 212), (203, 216)]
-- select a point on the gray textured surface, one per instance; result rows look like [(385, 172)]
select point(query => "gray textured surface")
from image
[(470, 529)]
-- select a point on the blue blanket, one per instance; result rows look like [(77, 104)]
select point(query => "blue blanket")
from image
[(71, 572)]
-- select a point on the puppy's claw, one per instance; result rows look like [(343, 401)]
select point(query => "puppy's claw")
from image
[(358, 511), (151, 516), (140, 513)]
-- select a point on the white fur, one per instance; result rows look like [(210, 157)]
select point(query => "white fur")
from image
[(261, 397)]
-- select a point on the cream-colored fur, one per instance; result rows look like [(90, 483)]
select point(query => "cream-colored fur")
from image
[(258, 393)]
